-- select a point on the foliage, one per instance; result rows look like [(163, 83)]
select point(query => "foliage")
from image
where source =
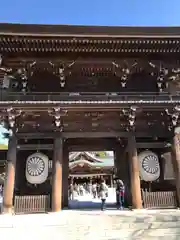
[(3, 147), (5, 135), (102, 154)]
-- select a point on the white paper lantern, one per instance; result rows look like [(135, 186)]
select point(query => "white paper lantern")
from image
[(149, 166), (37, 168)]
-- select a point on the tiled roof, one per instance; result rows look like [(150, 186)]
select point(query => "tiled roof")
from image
[(98, 162)]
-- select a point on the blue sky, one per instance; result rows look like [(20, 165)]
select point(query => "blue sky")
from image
[(93, 12)]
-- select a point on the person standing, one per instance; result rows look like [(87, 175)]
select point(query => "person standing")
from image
[(98, 190), (94, 190), (103, 192), (81, 190), (71, 192), (120, 192)]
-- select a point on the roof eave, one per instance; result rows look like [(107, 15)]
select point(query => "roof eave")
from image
[(88, 31)]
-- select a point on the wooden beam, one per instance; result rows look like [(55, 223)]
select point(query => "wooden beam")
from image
[(38, 135), (151, 145), (89, 147), (97, 148), (114, 134), (156, 145), (35, 147)]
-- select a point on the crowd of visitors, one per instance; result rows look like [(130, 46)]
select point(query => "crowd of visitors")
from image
[(99, 190)]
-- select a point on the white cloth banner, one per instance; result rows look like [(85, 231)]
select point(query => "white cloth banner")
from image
[(37, 168), (149, 166)]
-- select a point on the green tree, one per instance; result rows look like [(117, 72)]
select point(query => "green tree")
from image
[(102, 154)]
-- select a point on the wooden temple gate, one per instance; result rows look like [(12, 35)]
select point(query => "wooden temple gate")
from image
[(65, 89), (58, 198)]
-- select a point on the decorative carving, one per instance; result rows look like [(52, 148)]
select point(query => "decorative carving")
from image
[(174, 80), (131, 115), (57, 113), (61, 73), (21, 73), (7, 77), (162, 74), (25, 73), (12, 114), (124, 71), (174, 116)]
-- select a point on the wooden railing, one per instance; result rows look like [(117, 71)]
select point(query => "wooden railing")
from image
[(166, 199), (31, 204), (85, 96)]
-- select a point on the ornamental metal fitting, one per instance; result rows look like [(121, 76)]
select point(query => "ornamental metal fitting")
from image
[(174, 115), (57, 114), (60, 71), (161, 78), (175, 75), (12, 114), (123, 71), (131, 114)]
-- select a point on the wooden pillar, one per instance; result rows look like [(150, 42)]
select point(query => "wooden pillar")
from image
[(111, 181), (117, 162), (123, 172), (65, 174), (175, 156), (57, 175), (10, 176), (134, 174)]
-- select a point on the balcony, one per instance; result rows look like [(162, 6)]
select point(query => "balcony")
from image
[(87, 96)]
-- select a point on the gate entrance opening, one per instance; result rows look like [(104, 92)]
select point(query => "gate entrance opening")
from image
[(86, 172)]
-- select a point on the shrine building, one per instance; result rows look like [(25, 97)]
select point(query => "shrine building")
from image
[(83, 89), (88, 167)]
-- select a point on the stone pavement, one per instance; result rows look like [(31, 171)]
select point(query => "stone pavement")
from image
[(97, 225), (87, 201)]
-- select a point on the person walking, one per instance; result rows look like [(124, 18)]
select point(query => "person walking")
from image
[(71, 192), (81, 190), (103, 194), (94, 190), (120, 192)]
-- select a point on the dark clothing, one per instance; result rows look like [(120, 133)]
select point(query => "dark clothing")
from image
[(71, 195), (103, 204), (94, 194), (120, 201), (71, 192), (120, 188), (120, 192), (102, 187)]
